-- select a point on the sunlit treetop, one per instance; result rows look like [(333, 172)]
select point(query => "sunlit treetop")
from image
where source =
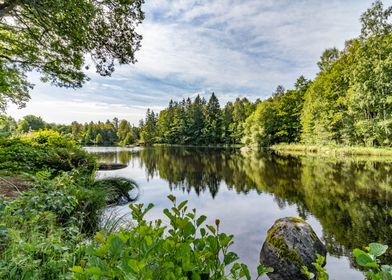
[(60, 39)]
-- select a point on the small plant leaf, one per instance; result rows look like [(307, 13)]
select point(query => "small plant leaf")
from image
[(172, 198), (200, 220), (377, 249), (230, 258)]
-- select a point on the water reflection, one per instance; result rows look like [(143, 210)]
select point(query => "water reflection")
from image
[(351, 198)]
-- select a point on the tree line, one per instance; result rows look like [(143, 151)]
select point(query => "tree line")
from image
[(349, 102), (188, 122)]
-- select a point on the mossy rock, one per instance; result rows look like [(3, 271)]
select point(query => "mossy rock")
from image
[(290, 244)]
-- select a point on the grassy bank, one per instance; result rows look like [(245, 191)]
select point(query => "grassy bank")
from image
[(302, 149), (50, 204), (200, 146)]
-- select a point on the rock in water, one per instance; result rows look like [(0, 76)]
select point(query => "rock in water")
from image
[(291, 243)]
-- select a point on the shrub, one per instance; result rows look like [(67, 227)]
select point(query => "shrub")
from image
[(44, 150), (183, 250)]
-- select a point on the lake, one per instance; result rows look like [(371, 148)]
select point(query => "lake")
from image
[(347, 201)]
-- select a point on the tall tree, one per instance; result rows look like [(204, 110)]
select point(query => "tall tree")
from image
[(213, 121), (148, 133)]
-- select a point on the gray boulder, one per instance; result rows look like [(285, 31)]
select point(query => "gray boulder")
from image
[(291, 243)]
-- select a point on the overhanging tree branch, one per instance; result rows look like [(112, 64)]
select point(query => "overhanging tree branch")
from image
[(6, 7)]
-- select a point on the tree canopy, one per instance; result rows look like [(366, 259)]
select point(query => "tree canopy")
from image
[(61, 39)]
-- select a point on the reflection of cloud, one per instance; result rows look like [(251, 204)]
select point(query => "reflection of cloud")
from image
[(232, 47)]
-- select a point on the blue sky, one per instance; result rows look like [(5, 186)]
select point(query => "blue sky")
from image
[(234, 48)]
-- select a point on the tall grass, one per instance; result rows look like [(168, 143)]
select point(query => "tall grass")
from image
[(332, 150)]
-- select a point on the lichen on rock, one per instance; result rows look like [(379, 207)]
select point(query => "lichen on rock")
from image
[(290, 244)]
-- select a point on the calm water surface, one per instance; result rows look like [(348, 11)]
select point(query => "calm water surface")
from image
[(347, 201)]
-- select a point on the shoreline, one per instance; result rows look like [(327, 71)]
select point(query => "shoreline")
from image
[(325, 150)]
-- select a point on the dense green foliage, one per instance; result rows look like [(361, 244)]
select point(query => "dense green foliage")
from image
[(368, 260), (185, 249), (349, 101), (277, 119), (199, 122), (54, 37), (44, 150), (44, 229), (188, 122), (107, 133)]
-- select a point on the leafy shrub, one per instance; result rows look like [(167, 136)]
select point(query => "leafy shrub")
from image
[(183, 250), (368, 259), (45, 150), (319, 266), (43, 231), (49, 138)]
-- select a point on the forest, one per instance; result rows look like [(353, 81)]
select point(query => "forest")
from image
[(349, 102)]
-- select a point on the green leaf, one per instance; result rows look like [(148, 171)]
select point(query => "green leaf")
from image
[(358, 252), (230, 257), (116, 246), (94, 270), (168, 214), (100, 237), (245, 271), (377, 249), (189, 229), (134, 265), (261, 270), (137, 266), (386, 268), (211, 228), (363, 258), (371, 264), (77, 269), (182, 204), (172, 198), (200, 220)]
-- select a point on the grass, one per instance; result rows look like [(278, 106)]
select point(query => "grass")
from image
[(199, 146), (329, 150)]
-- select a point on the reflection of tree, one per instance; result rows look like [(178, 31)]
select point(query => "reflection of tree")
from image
[(195, 169), (350, 198), (122, 157)]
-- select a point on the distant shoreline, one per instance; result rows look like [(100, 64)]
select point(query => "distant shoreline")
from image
[(302, 149)]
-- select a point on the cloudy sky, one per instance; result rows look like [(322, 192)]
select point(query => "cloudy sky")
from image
[(234, 48)]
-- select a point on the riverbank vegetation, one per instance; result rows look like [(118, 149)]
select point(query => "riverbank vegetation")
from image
[(332, 150), (53, 229)]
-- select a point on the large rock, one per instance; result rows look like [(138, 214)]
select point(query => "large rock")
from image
[(291, 243)]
